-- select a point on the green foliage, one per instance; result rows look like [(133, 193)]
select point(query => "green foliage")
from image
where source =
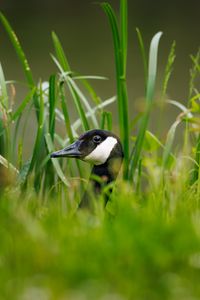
[(51, 103), (20, 53), (152, 71), (145, 251), (143, 54), (120, 51), (145, 244), (168, 68)]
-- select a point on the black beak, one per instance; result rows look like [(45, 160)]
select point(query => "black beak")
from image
[(70, 151)]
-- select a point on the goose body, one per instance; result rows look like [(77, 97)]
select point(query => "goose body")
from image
[(103, 150)]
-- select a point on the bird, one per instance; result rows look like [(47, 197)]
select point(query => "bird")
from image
[(102, 149)]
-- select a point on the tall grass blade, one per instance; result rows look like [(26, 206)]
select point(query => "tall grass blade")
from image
[(169, 143), (3, 113), (195, 174), (168, 68), (52, 105), (103, 120), (7, 164), (156, 142), (194, 72), (18, 49), (5, 134), (16, 115), (3, 94), (64, 67), (152, 71), (124, 31), (97, 108), (68, 124), (143, 54), (66, 113), (89, 88), (60, 53), (74, 95), (22, 58), (82, 97), (79, 108), (109, 120), (106, 120), (120, 49), (36, 156)]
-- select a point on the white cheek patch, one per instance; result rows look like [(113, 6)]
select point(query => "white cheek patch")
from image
[(101, 153)]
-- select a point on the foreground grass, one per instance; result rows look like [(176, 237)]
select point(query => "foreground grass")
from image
[(142, 250), (146, 243)]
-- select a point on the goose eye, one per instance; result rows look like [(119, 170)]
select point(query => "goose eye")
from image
[(97, 139)]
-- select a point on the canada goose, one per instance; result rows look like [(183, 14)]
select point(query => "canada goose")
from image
[(101, 148)]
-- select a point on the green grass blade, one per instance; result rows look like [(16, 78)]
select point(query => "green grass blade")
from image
[(153, 137), (103, 120), (168, 68), (169, 144), (7, 164), (4, 94), (143, 54), (196, 61), (21, 56), (152, 71), (97, 108), (106, 120), (5, 138), (55, 161), (24, 128), (109, 120), (82, 97), (60, 53), (120, 59), (115, 33), (195, 174), (182, 107), (194, 71), (20, 53), (93, 77), (74, 95), (122, 83), (68, 124), (39, 136), (64, 68), (79, 108), (66, 113), (124, 31), (89, 88), (4, 117), (77, 95), (52, 105), (23, 105), (16, 116)]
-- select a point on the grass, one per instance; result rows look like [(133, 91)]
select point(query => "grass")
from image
[(146, 243), (145, 250)]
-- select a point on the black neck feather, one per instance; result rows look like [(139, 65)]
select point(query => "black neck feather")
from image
[(101, 176)]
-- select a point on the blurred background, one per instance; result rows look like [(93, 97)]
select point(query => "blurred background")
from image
[(85, 35)]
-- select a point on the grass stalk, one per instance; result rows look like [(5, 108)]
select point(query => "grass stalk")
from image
[(120, 52), (152, 72)]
